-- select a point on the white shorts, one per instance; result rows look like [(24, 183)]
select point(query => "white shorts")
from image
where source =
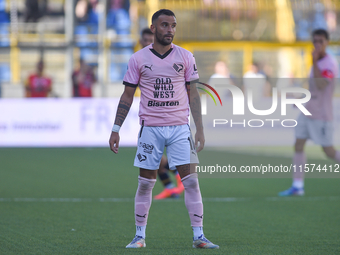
[(319, 131), (180, 148)]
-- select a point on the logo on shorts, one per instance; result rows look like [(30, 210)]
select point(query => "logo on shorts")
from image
[(141, 157), (178, 67), (148, 148)]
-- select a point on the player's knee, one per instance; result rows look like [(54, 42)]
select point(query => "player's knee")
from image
[(145, 185), (190, 182)]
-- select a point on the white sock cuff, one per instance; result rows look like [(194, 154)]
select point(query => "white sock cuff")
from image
[(193, 175), (140, 178)]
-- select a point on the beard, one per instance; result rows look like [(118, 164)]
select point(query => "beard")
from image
[(161, 39)]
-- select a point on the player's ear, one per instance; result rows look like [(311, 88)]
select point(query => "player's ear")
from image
[(153, 28)]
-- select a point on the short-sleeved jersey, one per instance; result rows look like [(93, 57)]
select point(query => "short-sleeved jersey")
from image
[(320, 105), (162, 80), (39, 86)]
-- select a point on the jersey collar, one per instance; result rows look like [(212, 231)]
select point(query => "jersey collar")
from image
[(159, 55)]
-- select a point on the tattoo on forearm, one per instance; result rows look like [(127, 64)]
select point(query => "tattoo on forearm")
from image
[(122, 111)]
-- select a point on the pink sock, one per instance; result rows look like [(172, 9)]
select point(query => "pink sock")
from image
[(143, 200), (337, 156), (193, 199), (298, 177)]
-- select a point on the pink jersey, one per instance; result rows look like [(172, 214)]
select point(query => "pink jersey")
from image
[(162, 79), (320, 105)]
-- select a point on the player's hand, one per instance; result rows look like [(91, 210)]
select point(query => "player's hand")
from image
[(114, 142), (315, 55), (199, 138)]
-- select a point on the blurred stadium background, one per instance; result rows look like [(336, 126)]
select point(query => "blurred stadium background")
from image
[(275, 33), (80, 200)]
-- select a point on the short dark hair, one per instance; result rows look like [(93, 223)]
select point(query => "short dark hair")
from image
[(162, 12), (146, 31), (321, 31)]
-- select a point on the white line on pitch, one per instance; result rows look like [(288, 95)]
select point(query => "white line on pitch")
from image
[(211, 199)]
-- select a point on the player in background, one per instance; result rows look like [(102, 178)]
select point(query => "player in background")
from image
[(170, 190), (167, 76), (256, 81), (318, 126), (146, 37), (38, 84), (145, 40)]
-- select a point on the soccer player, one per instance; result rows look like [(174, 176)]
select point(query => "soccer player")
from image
[(170, 190), (37, 84), (166, 74), (146, 37), (318, 126)]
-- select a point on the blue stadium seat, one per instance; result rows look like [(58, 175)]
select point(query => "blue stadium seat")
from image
[(83, 31), (119, 60), (92, 18), (2, 5), (89, 55), (4, 35), (319, 21), (118, 20), (302, 30), (4, 17), (5, 72)]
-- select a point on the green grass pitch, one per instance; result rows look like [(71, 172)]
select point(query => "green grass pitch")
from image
[(80, 201)]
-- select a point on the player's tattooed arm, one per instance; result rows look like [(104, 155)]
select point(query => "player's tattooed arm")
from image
[(124, 105), (122, 111)]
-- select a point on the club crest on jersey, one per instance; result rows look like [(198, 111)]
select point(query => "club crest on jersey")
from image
[(178, 67)]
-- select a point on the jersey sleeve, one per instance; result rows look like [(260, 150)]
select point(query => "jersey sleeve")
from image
[(132, 75), (191, 73), (330, 71)]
